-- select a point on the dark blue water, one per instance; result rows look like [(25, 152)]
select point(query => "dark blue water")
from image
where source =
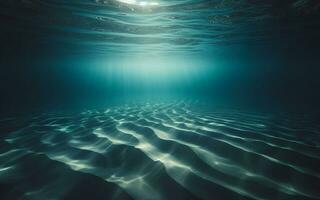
[(159, 99)]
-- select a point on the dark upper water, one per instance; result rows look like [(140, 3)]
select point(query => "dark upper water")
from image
[(58, 54), (159, 99)]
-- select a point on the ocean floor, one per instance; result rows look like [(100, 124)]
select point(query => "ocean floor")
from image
[(160, 151)]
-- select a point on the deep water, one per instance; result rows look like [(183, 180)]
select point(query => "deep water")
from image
[(183, 99)]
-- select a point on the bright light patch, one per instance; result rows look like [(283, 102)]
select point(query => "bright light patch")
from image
[(154, 69), (139, 3), (146, 73)]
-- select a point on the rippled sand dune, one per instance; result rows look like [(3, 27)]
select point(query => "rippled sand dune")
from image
[(160, 151)]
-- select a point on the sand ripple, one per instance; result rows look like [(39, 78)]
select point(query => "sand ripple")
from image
[(160, 151)]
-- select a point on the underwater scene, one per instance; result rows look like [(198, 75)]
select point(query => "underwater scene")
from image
[(159, 99)]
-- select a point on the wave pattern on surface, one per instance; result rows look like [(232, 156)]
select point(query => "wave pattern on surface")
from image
[(160, 151), (160, 25)]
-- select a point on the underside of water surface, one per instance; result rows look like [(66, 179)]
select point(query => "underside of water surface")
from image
[(159, 99)]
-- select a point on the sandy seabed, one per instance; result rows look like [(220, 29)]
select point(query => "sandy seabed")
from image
[(160, 151)]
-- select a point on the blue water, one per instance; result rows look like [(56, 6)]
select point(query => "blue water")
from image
[(159, 99)]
